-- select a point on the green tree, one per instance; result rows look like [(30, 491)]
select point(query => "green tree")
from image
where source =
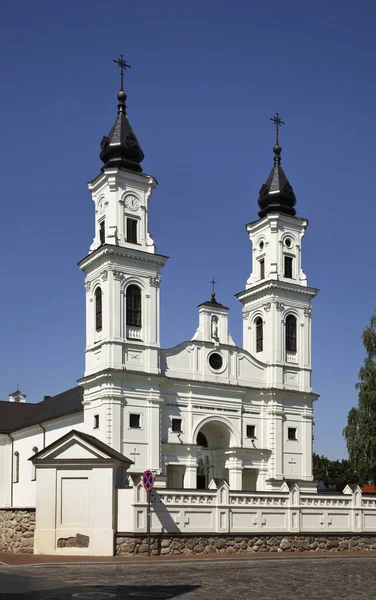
[(360, 431), (333, 472)]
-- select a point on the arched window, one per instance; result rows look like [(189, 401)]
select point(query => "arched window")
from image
[(133, 306), (98, 309), (33, 469), (290, 334), (16, 467), (259, 335)]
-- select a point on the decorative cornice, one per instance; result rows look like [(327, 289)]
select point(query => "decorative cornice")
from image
[(88, 286), (308, 311), (104, 275), (108, 252), (118, 275), (280, 306), (267, 306), (246, 314), (272, 285), (155, 281)]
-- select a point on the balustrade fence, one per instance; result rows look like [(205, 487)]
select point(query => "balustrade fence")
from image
[(219, 510)]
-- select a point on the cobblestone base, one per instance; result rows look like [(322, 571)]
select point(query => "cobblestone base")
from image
[(209, 544), (17, 530)]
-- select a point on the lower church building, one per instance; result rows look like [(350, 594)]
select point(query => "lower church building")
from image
[(202, 412)]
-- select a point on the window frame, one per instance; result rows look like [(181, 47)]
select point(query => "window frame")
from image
[(138, 415), (102, 232), (253, 436), (288, 263), (174, 420), (131, 230), (16, 467), (98, 295), (133, 313), (96, 422), (295, 437), (262, 268), (259, 325), (291, 325)]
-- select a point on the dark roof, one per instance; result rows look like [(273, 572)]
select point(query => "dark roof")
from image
[(213, 302), (18, 415), (121, 148), (277, 195), (111, 453)]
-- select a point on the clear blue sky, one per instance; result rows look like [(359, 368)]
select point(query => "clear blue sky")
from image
[(205, 78)]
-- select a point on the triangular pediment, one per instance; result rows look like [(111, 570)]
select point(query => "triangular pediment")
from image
[(78, 446)]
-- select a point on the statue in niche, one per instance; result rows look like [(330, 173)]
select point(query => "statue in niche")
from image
[(214, 327)]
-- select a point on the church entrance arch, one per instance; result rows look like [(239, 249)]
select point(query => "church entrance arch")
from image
[(214, 439)]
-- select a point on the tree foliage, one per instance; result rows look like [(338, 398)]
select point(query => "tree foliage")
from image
[(360, 431), (333, 472)]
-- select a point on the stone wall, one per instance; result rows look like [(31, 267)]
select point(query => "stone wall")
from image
[(230, 544), (17, 530)]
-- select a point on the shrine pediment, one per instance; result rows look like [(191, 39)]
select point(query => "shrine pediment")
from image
[(78, 447), (205, 361)]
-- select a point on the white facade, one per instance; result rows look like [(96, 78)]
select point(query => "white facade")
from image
[(203, 410)]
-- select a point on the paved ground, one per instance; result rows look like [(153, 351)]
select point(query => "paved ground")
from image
[(346, 577)]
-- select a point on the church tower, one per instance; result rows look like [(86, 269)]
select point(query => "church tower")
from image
[(277, 299), (122, 285)]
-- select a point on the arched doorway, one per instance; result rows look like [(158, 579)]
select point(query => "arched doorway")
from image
[(214, 439)]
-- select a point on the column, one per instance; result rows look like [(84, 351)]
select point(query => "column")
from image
[(190, 475), (235, 471)]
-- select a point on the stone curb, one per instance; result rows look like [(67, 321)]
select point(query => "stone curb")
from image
[(26, 560)]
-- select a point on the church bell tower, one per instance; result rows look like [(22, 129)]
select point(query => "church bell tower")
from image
[(122, 283), (277, 299)]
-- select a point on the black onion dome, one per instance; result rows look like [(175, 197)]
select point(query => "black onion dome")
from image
[(121, 148), (277, 195)]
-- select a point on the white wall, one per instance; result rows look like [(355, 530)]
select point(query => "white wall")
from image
[(24, 492)]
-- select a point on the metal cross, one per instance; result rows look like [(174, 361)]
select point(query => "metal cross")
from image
[(277, 122), (213, 282), (134, 454), (122, 63)]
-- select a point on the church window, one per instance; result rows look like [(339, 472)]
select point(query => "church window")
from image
[(102, 234), (291, 333), (259, 335), (176, 425), (215, 361), (262, 269), (134, 421), (288, 267), (16, 467), (132, 231), (291, 433), (96, 421), (98, 309), (33, 468), (288, 243), (133, 306), (250, 431)]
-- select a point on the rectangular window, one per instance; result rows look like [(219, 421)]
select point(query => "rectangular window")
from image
[(96, 421), (291, 433), (134, 421), (132, 231), (288, 267), (262, 269), (250, 431), (176, 425), (102, 234)]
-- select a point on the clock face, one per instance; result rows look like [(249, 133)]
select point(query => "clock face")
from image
[(101, 205), (132, 202)]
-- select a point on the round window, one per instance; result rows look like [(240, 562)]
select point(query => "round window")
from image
[(215, 361), (288, 243), (261, 245)]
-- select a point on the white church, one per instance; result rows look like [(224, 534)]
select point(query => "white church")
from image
[(201, 415)]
